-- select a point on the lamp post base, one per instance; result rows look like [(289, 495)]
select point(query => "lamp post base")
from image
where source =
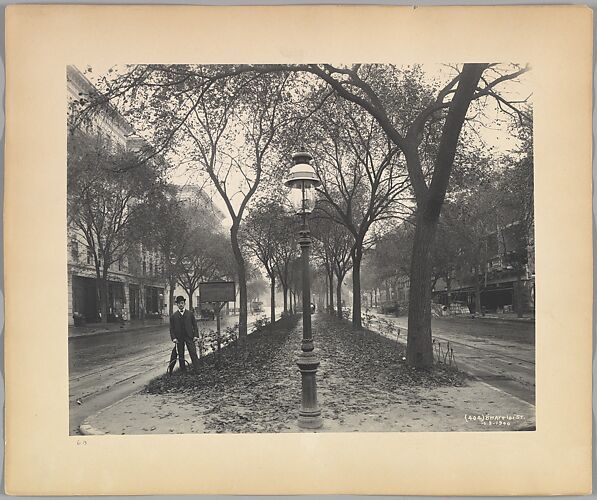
[(310, 414), (310, 421)]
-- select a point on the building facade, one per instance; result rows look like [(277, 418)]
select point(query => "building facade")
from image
[(506, 280), (136, 285)]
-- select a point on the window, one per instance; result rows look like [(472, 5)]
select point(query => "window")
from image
[(120, 263), (144, 267), (74, 249), (151, 268), (89, 256)]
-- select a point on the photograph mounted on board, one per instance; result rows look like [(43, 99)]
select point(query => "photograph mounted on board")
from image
[(300, 248)]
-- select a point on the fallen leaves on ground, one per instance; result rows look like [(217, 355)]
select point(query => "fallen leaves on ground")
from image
[(258, 388)]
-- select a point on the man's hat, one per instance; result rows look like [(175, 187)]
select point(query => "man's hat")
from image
[(180, 298)]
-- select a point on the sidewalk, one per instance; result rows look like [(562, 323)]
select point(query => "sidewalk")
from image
[(505, 317), (492, 316), (127, 326), (101, 328), (364, 385)]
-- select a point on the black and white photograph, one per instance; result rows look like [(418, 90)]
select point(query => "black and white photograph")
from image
[(290, 248), (298, 247)]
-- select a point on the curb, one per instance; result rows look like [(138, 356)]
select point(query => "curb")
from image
[(88, 430), (468, 316), (510, 320), (119, 330)]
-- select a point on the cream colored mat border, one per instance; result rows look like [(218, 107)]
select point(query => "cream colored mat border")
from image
[(40, 456)]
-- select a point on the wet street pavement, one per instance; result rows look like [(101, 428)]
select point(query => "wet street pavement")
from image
[(107, 367), (497, 352)]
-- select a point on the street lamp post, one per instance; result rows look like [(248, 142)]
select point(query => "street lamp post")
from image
[(302, 182)]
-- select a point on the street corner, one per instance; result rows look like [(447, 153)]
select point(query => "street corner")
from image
[(143, 413)]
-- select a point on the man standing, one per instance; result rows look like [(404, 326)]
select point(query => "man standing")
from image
[(183, 330)]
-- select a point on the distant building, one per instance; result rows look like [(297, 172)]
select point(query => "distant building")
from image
[(500, 280)]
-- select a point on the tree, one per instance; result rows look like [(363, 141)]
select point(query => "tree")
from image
[(391, 257), (337, 245), (110, 208), (472, 217), (363, 180), (285, 254), (169, 233), (212, 135), (517, 209), (323, 255), (264, 233), (207, 258)]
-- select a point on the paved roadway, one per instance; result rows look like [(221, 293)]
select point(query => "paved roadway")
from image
[(106, 367), (498, 352)]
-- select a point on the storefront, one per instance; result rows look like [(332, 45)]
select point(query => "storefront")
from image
[(85, 299), (154, 301), (116, 301), (86, 305)]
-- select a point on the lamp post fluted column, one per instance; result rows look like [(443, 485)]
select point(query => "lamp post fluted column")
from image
[(302, 181), (308, 362)]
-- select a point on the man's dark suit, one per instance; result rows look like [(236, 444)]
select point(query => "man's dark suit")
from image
[(183, 327)]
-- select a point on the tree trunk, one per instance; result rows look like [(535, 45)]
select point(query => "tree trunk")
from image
[(285, 293), (172, 285), (242, 284), (331, 305), (190, 294), (273, 298), (104, 295), (339, 297), (448, 292), (518, 295), (98, 293), (478, 307), (419, 344), (142, 300), (357, 256), (327, 295), (429, 204)]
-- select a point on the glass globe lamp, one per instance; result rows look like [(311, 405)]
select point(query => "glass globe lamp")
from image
[(302, 181)]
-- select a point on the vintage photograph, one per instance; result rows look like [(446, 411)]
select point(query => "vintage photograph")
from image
[(267, 248)]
